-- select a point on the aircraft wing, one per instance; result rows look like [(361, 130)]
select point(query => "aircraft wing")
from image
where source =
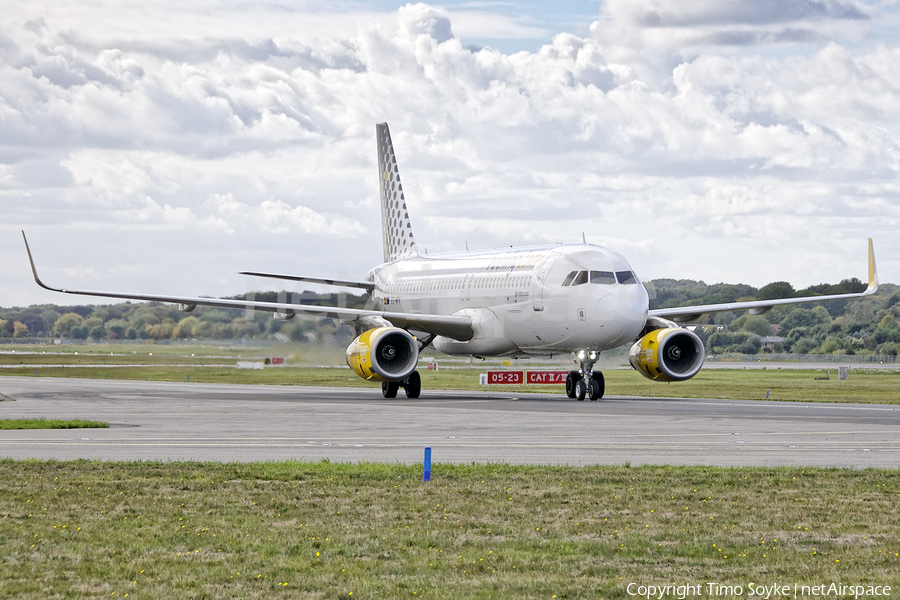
[(455, 327), (686, 314), (336, 282)]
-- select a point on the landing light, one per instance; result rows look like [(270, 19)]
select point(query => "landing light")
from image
[(593, 356), (581, 354)]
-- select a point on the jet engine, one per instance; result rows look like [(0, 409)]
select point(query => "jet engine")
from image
[(383, 354), (669, 354)]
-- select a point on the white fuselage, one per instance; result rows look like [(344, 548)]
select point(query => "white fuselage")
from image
[(531, 300)]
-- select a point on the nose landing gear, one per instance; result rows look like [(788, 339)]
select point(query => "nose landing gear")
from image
[(585, 381)]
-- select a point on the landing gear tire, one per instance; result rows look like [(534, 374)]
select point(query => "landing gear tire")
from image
[(570, 383), (413, 385), (580, 390), (598, 385), (389, 389)]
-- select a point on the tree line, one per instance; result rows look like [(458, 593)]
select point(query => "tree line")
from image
[(858, 326), (863, 326), (159, 321)]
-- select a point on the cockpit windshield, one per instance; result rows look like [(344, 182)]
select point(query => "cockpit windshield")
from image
[(626, 277), (599, 278), (602, 277)]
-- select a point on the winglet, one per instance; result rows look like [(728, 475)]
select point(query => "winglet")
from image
[(873, 272), (34, 269)]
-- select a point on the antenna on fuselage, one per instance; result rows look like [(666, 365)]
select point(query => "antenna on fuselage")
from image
[(583, 239), (467, 246)]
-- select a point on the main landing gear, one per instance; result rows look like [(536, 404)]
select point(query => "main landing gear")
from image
[(412, 385), (585, 381)]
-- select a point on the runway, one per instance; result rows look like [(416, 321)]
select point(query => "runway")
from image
[(218, 422)]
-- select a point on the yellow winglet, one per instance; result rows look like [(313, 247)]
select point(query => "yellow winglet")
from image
[(873, 272)]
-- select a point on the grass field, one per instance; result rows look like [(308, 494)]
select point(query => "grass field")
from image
[(317, 530), (51, 424), (294, 530)]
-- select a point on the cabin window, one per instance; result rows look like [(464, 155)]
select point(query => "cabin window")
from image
[(626, 277), (603, 277)]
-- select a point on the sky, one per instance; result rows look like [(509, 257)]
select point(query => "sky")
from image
[(162, 147)]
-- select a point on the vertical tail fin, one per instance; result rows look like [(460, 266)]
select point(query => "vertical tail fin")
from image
[(396, 230)]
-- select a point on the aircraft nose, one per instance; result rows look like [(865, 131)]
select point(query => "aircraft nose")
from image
[(634, 300), (622, 313)]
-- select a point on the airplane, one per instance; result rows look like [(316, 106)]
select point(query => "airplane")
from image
[(527, 301)]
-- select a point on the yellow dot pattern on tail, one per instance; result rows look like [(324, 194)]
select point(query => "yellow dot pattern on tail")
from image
[(396, 229)]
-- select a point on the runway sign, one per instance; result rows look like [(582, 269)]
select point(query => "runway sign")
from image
[(505, 377), (531, 377), (546, 377)]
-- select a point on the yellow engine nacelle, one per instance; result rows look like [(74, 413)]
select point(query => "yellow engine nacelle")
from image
[(671, 354), (383, 354)]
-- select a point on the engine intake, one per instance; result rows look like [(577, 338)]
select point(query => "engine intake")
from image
[(670, 354), (383, 354)]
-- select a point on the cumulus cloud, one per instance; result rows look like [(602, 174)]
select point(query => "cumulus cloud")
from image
[(652, 127), (274, 216), (658, 35), (682, 13)]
